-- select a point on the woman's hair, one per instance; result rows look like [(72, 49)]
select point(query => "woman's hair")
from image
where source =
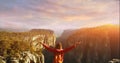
[(58, 46)]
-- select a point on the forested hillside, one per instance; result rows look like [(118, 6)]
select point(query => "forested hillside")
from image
[(12, 44)]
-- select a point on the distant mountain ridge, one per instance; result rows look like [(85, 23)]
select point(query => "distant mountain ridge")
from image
[(42, 30), (13, 29), (25, 30), (65, 35)]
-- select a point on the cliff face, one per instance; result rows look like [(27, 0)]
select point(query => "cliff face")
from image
[(98, 45), (19, 42), (41, 35)]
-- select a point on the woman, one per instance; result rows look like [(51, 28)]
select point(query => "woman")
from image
[(59, 51)]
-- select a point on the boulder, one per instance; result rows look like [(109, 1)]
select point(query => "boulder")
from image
[(1, 60)]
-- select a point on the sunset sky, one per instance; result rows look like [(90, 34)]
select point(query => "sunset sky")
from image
[(57, 15)]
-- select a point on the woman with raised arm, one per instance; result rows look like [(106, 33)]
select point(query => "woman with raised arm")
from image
[(59, 51)]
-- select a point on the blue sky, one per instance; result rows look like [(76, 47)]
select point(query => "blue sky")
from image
[(57, 15)]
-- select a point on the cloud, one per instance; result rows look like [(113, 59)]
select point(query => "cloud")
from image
[(57, 13)]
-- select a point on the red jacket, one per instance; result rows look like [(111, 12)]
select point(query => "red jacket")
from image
[(58, 54)]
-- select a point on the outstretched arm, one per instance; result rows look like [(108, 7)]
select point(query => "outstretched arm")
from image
[(71, 47), (48, 48)]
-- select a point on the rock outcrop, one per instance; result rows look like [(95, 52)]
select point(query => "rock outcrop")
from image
[(114, 61), (26, 57)]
